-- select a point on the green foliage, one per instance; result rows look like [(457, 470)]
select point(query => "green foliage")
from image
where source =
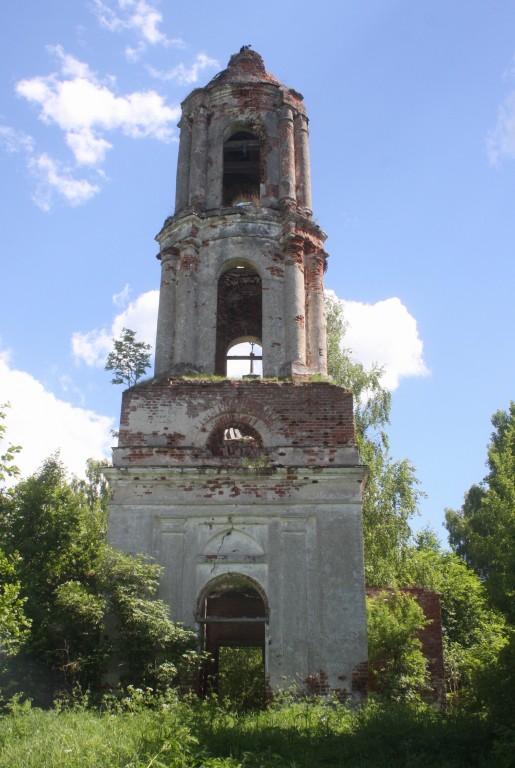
[(241, 677), (56, 532), (143, 731), (483, 531), (391, 496), (7, 467), (473, 633), (14, 625), (149, 648), (396, 660), (76, 591), (129, 359)]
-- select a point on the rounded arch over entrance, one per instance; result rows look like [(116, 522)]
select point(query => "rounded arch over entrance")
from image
[(233, 613)]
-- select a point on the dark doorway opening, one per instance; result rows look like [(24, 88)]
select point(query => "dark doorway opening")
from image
[(233, 621)]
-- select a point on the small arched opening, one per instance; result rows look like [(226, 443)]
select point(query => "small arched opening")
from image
[(232, 438), (233, 614), (242, 169), (239, 314)]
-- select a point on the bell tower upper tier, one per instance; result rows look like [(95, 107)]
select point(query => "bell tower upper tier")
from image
[(242, 259)]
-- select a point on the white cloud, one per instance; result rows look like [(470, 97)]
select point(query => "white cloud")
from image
[(186, 75), (137, 16), (85, 108), (15, 141), (121, 299), (92, 347), (42, 423), (384, 333), (87, 149), (52, 177), (500, 141)]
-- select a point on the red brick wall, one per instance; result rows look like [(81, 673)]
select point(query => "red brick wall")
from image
[(296, 413)]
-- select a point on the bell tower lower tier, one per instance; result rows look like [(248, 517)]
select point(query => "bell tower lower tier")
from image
[(249, 494)]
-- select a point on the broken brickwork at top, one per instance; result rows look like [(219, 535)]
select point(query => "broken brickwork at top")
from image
[(175, 420)]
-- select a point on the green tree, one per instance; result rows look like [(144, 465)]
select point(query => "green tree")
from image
[(7, 466), (397, 664), (129, 359), (14, 625), (482, 532), (90, 606), (391, 496), (50, 522), (474, 634)]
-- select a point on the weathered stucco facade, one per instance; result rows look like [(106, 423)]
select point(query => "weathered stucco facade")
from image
[(248, 492)]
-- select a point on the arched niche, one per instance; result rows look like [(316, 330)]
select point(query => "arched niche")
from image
[(241, 167), (232, 546), (239, 311)]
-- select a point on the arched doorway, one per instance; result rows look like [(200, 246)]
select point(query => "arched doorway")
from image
[(233, 615)]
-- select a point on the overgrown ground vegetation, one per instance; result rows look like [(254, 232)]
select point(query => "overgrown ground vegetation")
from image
[(72, 608), (141, 731)]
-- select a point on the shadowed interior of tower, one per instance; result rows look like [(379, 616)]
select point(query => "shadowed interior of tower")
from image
[(242, 174), (239, 311)]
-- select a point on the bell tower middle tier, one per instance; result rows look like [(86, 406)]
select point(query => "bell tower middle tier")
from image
[(242, 259)]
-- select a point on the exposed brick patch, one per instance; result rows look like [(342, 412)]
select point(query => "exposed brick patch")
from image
[(360, 678), (309, 415)]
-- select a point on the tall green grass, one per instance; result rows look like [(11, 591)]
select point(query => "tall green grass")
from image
[(144, 732)]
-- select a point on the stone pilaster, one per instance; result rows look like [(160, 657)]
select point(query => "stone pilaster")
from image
[(302, 163)]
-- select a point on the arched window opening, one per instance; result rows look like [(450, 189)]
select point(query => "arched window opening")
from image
[(239, 312), (245, 359), (234, 439), (233, 615), (242, 170)]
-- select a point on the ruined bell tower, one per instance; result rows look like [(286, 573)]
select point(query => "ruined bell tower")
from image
[(247, 491)]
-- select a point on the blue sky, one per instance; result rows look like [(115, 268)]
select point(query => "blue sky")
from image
[(412, 123)]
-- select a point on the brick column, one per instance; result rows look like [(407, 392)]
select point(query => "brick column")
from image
[(166, 315), (294, 300), (287, 158), (315, 313), (182, 187), (198, 159), (186, 307), (302, 163)]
